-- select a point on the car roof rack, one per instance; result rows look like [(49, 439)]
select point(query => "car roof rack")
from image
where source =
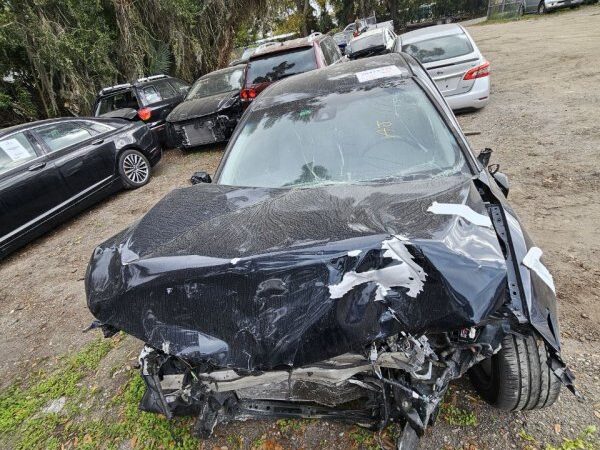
[(116, 87), (153, 77)]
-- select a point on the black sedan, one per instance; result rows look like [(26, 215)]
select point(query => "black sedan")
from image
[(210, 111), (352, 257), (52, 169)]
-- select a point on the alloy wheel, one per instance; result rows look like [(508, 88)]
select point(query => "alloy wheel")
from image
[(136, 169)]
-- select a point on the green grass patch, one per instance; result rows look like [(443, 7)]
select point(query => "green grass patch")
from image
[(587, 440), (23, 425), (289, 425), (20, 403), (457, 416)]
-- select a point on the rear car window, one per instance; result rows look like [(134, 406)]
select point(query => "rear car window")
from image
[(120, 100), (217, 83), (14, 151), (368, 42), (441, 48), (369, 135), (280, 65)]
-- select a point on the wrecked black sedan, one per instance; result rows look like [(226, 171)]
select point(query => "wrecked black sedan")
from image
[(349, 260), (210, 111)]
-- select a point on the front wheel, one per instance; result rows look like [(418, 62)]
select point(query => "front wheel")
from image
[(518, 377), (134, 169)]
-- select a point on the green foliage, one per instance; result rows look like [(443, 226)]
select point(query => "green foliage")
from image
[(587, 440), (59, 53), (20, 406), (457, 416)]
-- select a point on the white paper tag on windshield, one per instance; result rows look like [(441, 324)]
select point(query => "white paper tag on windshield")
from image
[(14, 149), (380, 72)]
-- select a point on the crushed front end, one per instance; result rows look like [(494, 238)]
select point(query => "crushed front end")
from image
[(357, 303)]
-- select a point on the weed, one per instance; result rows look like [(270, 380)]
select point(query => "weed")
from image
[(457, 416), (363, 438), (587, 440), (289, 425)]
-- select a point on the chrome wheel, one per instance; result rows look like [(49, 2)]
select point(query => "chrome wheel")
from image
[(136, 168)]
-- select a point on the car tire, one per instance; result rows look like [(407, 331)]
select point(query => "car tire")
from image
[(518, 376), (134, 169), (542, 8)]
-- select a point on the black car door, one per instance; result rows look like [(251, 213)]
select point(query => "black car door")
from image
[(83, 152), (30, 185)]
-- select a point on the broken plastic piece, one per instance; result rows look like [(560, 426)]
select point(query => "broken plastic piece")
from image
[(533, 262), (463, 211)]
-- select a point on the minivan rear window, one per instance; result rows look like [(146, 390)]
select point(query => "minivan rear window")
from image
[(440, 48), (280, 65)]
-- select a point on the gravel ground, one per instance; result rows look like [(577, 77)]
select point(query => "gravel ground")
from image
[(542, 123)]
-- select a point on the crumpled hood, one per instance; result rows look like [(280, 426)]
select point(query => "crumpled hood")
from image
[(199, 107), (256, 278)]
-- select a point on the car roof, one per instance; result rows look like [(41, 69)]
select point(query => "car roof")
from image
[(368, 33), (37, 123), (434, 31), (140, 82), (281, 47), (224, 70), (341, 78)]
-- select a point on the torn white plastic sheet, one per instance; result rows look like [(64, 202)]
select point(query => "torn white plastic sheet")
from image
[(532, 262), (461, 210), (380, 72), (406, 274)]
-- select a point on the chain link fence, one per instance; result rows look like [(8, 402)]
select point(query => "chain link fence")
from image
[(505, 9)]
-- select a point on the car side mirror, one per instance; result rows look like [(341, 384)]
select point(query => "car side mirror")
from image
[(485, 156), (201, 177)]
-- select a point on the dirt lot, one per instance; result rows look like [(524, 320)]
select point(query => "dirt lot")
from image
[(543, 123)]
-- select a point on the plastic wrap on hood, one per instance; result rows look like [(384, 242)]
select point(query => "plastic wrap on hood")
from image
[(258, 278)]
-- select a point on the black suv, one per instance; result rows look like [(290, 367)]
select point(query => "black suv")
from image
[(149, 99)]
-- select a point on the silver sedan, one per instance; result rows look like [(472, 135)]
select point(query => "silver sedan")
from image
[(453, 61)]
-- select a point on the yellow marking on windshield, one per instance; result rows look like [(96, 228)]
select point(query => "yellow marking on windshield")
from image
[(385, 129)]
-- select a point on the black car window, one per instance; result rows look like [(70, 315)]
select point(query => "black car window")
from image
[(63, 135), (437, 49), (380, 133), (216, 83), (150, 95), (98, 128), (14, 151), (120, 100), (180, 86), (280, 65)]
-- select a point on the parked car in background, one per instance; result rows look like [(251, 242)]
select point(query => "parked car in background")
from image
[(454, 62), (245, 56), (149, 100), (210, 111), (352, 257), (283, 59), (370, 43), (370, 23), (544, 6), (53, 169)]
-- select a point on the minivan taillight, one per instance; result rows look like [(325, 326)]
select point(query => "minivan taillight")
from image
[(478, 72), (144, 113), (247, 95)]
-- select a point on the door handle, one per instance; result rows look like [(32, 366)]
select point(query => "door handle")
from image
[(97, 142), (37, 166)]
